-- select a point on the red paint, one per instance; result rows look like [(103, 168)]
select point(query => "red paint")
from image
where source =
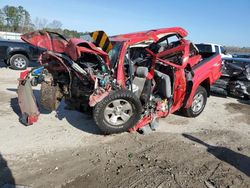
[(43, 39), (74, 48), (152, 33), (210, 72), (24, 74), (32, 119), (207, 71)]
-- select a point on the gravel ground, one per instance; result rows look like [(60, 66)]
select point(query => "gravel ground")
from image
[(66, 149)]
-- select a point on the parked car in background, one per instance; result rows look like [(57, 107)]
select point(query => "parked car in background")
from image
[(241, 56), (213, 48), (18, 54)]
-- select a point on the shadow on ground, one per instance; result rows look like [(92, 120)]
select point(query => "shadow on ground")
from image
[(76, 119), (239, 99), (3, 65), (6, 177), (244, 101), (237, 160), (218, 95)]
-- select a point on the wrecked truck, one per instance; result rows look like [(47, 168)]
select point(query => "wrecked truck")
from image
[(235, 79), (129, 81)]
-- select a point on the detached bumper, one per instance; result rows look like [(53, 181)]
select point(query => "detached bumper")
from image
[(27, 101)]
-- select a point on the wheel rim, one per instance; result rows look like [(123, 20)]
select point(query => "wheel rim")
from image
[(20, 62), (118, 112), (198, 101)]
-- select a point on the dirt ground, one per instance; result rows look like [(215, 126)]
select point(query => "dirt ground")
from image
[(66, 149)]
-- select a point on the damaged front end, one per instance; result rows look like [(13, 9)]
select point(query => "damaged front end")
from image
[(75, 70)]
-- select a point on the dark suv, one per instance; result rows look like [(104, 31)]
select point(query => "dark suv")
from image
[(17, 54)]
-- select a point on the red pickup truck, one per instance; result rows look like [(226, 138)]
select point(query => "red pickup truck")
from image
[(130, 83)]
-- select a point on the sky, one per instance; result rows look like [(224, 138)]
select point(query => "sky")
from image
[(225, 22)]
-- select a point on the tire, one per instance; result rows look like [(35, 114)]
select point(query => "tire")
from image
[(50, 96), (117, 112), (6, 61), (19, 62), (195, 110)]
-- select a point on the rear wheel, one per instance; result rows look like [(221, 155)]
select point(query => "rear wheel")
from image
[(198, 103), (19, 62), (118, 112)]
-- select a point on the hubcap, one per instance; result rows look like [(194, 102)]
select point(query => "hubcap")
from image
[(197, 103), (20, 62), (118, 112)]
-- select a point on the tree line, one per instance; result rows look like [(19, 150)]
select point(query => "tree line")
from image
[(18, 19), (234, 49)]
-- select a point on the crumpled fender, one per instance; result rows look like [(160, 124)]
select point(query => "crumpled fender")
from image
[(99, 95), (27, 101)]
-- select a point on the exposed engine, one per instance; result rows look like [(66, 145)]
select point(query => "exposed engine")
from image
[(76, 87), (81, 90)]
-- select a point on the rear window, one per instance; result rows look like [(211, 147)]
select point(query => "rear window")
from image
[(217, 49), (168, 39), (204, 48)]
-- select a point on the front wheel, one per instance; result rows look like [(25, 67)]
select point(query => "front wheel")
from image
[(198, 103), (117, 112)]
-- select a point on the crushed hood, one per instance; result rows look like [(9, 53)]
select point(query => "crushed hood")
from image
[(48, 40)]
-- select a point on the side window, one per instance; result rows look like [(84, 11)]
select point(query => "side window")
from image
[(167, 40), (216, 49), (173, 39), (223, 50), (204, 48)]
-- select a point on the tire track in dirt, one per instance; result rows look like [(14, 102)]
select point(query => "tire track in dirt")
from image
[(166, 162)]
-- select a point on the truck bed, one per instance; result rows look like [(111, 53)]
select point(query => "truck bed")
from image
[(206, 57)]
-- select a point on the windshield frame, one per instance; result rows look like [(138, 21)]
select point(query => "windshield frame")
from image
[(115, 57)]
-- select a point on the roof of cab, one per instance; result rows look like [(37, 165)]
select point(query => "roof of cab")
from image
[(154, 33)]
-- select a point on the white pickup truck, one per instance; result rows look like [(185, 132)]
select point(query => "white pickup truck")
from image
[(213, 48)]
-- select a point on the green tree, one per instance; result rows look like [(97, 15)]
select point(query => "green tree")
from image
[(71, 33), (24, 20), (40, 23), (17, 19), (10, 13), (1, 20), (55, 24)]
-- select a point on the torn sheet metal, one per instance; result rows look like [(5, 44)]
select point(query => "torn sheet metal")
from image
[(27, 103), (235, 79)]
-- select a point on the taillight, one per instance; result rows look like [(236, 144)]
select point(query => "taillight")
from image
[(24, 74)]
